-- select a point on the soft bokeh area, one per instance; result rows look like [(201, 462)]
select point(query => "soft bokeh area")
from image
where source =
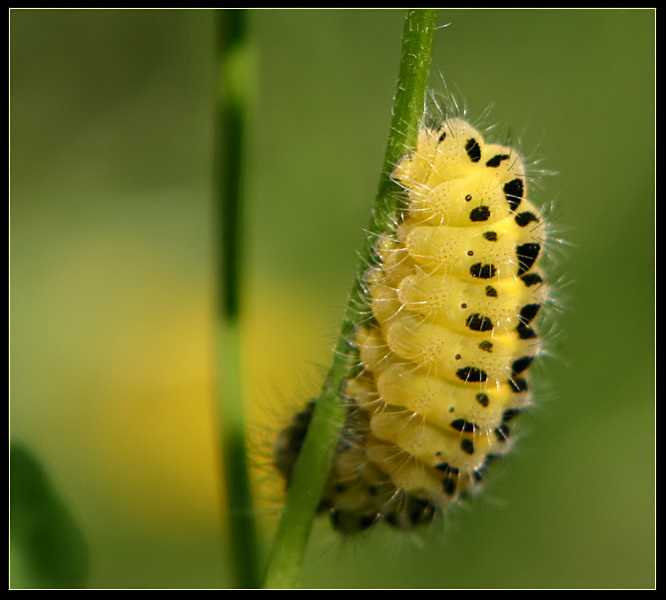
[(112, 263)]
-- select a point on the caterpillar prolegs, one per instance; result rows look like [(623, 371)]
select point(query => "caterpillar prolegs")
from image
[(444, 358)]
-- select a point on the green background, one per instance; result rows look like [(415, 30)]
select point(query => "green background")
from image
[(112, 268)]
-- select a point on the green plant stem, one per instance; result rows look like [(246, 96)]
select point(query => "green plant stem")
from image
[(234, 99), (316, 456)]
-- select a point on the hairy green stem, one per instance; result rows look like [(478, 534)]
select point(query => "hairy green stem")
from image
[(233, 102), (314, 462)]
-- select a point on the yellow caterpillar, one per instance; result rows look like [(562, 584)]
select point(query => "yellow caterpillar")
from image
[(444, 358)]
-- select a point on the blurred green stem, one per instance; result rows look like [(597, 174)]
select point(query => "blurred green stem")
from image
[(233, 102), (314, 462)]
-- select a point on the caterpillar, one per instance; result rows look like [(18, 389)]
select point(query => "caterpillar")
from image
[(444, 356)]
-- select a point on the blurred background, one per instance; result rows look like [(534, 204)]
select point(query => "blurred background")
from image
[(112, 265)]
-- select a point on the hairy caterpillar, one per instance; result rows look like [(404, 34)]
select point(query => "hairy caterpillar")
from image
[(444, 357)]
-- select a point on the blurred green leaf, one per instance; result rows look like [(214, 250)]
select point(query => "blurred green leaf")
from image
[(47, 547)]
